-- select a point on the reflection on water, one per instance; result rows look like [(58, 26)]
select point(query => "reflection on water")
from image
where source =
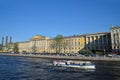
[(24, 68)]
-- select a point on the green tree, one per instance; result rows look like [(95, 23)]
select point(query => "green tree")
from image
[(34, 48), (85, 51), (9, 47), (1, 48), (58, 43), (15, 47)]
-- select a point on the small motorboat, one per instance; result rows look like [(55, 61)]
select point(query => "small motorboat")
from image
[(74, 64)]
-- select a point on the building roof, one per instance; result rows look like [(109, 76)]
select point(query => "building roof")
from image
[(97, 33), (114, 27), (73, 36), (37, 37)]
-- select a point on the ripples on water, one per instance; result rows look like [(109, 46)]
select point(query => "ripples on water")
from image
[(24, 68)]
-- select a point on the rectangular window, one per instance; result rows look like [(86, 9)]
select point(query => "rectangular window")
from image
[(75, 43), (114, 47), (117, 47), (112, 31), (117, 41)]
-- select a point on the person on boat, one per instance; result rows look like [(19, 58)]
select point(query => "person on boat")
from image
[(66, 63)]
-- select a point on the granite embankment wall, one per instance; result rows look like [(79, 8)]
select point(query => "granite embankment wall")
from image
[(64, 57)]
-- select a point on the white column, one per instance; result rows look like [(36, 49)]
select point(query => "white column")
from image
[(106, 39), (93, 40), (102, 39), (98, 39), (46, 44)]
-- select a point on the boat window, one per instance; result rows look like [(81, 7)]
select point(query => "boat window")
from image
[(83, 63)]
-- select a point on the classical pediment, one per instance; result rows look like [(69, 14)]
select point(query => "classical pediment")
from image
[(37, 37)]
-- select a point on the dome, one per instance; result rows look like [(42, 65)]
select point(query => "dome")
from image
[(37, 37)]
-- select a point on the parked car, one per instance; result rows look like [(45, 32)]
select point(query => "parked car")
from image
[(117, 55), (110, 55)]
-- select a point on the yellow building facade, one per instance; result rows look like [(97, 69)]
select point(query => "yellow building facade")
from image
[(96, 41), (42, 43), (75, 44)]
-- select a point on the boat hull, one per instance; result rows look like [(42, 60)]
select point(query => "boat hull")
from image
[(81, 65)]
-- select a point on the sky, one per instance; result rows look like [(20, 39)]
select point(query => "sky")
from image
[(23, 19)]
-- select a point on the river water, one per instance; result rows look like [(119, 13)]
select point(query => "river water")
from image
[(24, 68)]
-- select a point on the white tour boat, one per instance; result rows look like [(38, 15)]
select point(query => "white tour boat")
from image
[(74, 64)]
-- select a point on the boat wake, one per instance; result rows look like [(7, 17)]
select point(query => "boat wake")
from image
[(63, 69)]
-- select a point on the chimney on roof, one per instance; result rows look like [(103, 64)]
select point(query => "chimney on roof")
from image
[(10, 40), (6, 43), (2, 41)]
